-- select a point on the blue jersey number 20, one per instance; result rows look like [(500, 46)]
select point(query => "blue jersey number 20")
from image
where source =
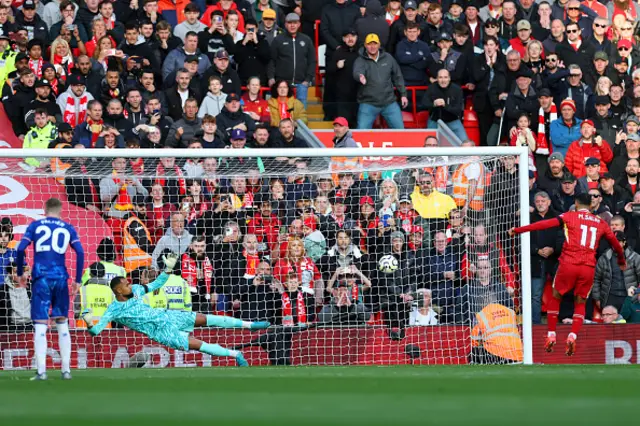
[(51, 240)]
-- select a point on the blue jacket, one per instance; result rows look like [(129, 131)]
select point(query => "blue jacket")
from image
[(562, 136), (438, 264), (82, 134), (414, 59), (6, 259)]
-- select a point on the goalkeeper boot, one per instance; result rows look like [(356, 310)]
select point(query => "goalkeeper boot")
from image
[(66, 375), (240, 361), (39, 377), (260, 325), (550, 342), (571, 345)]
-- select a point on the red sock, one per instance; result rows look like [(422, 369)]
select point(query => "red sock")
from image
[(552, 314), (578, 317)]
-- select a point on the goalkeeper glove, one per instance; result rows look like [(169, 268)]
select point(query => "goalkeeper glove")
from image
[(170, 261), (87, 317)]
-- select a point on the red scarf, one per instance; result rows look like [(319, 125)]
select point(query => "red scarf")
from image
[(198, 210), (576, 45), (54, 86), (137, 166), (96, 129), (406, 219), (110, 23), (542, 146), (161, 178), (70, 109), (36, 67), (287, 312), (190, 271), (284, 109), (252, 263)]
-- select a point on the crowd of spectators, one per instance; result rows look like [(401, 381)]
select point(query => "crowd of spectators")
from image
[(559, 77)]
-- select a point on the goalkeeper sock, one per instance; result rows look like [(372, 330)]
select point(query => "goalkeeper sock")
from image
[(40, 347), (217, 350), (64, 340), (226, 322), (552, 314), (578, 317)]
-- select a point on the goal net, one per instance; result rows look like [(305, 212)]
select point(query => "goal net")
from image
[(393, 257)]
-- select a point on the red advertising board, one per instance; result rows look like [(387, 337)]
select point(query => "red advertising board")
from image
[(598, 344), (411, 138)]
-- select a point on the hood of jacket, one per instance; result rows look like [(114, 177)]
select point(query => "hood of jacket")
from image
[(374, 8)]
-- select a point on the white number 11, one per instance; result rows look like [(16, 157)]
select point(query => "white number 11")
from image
[(583, 238)]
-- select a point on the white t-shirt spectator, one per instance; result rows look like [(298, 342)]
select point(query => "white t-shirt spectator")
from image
[(416, 318)]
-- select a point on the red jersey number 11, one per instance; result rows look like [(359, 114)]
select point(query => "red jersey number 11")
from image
[(585, 231)]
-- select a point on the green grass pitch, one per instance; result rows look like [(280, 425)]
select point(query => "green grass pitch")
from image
[(328, 396)]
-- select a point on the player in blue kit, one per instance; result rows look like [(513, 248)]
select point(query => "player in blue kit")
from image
[(170, 328), (51, 237)]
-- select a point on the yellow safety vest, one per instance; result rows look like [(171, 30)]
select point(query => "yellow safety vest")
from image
[(178, 294), (496, 330), (156, 299), (97, 298), (111, 271), (461, 188)]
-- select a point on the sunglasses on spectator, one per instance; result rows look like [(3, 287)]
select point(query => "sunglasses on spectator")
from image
[(594, 195), (623, 48), (575, 75), (626, 29), (551, 59), (574, 8), (572, 31), (601, 25)]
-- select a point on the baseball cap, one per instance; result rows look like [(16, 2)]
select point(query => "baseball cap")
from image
[(268, 14), (64, 127), (587, 123), (445, 36), (192, 58), (633, 137), (75, 80), (592, 161), (544, 92), (601, 56), (341, 121), (632, 119), (624, 43), (410, 4), (350, 31), (292, 17), (29, 4), (568, 177), (556, 156), (372, 38), (603, 100), (525, 72), (404, 199), (43, 83), (237, 134), (222, 54), (416, 229), (232, 97), (523, 24), (607, 176), (366, 200)]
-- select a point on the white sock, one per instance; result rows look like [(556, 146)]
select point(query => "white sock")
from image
[(574, 335), (64, 340), (551, 334), (246, 324), (40, 347)]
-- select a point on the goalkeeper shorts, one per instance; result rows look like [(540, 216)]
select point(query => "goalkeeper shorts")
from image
[(175, 334)]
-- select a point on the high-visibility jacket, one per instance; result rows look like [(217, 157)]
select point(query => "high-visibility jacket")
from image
[(58, 166), (134, 256), (156, 299), (496, 330), (461, 188), (39, 138), (97, 298), (111, 271), (7, 65), (440, 175), (178, 294)]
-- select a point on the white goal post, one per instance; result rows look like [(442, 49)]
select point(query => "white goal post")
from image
[(390, 328)]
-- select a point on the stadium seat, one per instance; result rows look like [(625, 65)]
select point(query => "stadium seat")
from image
[(421, 119), (408, 120)]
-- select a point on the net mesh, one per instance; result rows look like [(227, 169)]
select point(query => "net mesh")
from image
[(355, 261)]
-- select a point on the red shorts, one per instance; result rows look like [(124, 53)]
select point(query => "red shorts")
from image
[(576, 278)]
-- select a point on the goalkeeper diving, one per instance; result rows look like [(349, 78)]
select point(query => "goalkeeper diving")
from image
[(167, 327)]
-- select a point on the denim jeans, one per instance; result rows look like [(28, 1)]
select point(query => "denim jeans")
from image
[(368, 113), (301, 94), (537, 290), (456, 127)]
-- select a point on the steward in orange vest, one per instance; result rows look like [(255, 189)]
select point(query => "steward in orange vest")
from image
[(495, 338)]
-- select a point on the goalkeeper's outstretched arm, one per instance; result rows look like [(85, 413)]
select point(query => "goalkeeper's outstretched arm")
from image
[(100, 325), (169, 261)]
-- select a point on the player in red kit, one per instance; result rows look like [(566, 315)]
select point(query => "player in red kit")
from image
[(582, 231)]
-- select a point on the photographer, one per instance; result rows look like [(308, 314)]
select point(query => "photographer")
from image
[(347, 304), (258, 301), (252, 54), (423, 313)]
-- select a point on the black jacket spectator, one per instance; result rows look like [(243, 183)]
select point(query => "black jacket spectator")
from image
[(82, 190), (549, 183), (454, 102), (252, 60), (174, 102), (85, 17), (346, 96), (294, 61), (582, 94), (227, 120), (551, 237), (16, 104), (210, 42), (396, 32), (120, 123), (37, 27), (373, 22), (144, 51), (455, 63), (414, 59), (230, 80), (336, 19), (583, 57), (432, 33), (518, 103)]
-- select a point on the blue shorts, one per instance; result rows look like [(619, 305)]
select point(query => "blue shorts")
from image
[(49, 294)]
